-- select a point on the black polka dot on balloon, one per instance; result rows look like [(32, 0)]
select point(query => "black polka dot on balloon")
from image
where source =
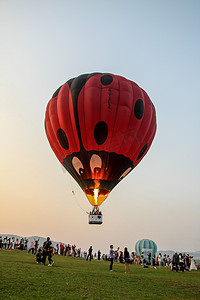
[(100, 132), (142, 152), (45, 127), (106, 79), (62, 139), (139, 109)]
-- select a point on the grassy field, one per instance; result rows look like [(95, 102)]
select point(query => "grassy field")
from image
[(75, 278)]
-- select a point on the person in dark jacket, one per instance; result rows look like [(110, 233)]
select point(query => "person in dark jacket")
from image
[(89, 253), (154, 261), (46, 249), (99, 255), (39, 257), (50, 255), (175, 262)]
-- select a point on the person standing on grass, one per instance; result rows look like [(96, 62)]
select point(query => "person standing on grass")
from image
[(50, 255), (187, 261), (46, 249), (160, 259), (149, 257), (111, 257), (99, 255), (175, 262), (31, 248), (1, 242), (36, 246), (127, 260), (89, 253), (142, 258), (25, 243), (181, 262), (154, 261), (21, 244), (121, 257)]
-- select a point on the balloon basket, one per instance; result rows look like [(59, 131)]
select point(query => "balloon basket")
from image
[(95, 217)]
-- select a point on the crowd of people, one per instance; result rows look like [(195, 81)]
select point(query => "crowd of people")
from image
[(13, 243), (179, 262), (41, 253)]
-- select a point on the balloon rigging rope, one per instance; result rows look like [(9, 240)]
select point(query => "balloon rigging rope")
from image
[(73, 192)]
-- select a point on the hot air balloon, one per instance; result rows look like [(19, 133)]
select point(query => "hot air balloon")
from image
[(145, 246), (100, 126)]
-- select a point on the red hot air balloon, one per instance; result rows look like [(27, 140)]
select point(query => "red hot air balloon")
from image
[(100, 126)]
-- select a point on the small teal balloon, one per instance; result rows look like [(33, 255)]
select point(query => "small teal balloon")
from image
[(146, 246)]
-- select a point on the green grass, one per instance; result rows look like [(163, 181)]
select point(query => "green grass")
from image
[(75, 278)]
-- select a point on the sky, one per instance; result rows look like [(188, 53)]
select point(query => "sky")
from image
[(154, 43)]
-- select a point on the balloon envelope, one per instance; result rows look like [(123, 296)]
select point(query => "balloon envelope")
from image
[(145, 246), (100, 126)]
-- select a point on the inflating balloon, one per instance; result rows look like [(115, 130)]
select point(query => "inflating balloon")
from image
[(100, 126), (145, 246)]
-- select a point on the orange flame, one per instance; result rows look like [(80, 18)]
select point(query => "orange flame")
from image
[(96, 195)]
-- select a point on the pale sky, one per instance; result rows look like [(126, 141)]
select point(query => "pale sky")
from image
[(154, 43)]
